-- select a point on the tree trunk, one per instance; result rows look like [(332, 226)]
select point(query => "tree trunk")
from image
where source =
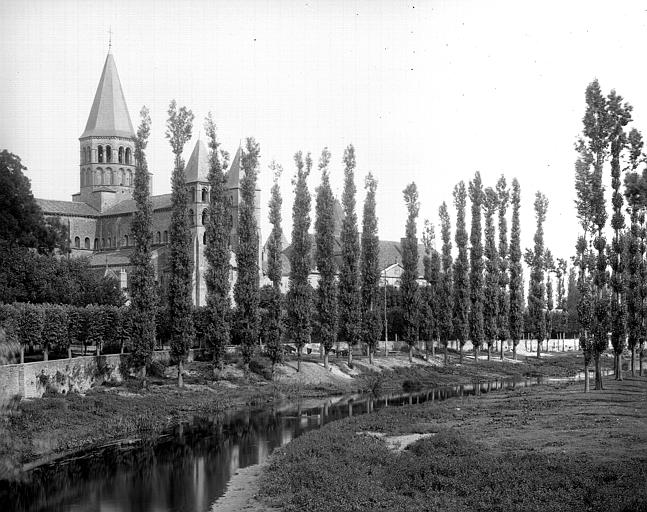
[(587, 384), (615, 365), (299, 359), (433, 348), (514, 351), (69, 352), (538, 349), (620, 366), (411, 353), (22, 353), (501, 353), (45, 355), (476, 354), (121, 348), (144, 379), (633, 352), (460, 354), (325, 357), (370, 355), (598, 374), (350, 356), (640, 362), (489, 351), (446, 350), (180, 378)]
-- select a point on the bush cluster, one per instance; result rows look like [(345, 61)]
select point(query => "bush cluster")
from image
[(55, 327)]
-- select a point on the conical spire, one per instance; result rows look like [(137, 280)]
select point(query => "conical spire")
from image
[(198, 166), (233, 176), (109, 114)]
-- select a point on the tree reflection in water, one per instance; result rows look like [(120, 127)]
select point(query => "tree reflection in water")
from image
[(188, 468)]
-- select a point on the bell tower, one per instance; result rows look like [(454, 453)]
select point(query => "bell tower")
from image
[(107, 145)]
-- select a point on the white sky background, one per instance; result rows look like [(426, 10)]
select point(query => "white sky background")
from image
[(427, 92)]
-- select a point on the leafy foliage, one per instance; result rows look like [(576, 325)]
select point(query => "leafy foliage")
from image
[(503, 199), (349, 291), (445, 306), (516, 272), (142, 275), (325, 245), (492, 282), (537, 289), (247, 280), (299, 298), (179, 127), (461, 270), (409, 283), (477, 334)]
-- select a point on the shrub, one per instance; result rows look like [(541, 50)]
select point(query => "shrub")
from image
[(55, 332), (31, 324), (156, 369)]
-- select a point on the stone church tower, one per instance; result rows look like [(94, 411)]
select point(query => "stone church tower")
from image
[(107, 145)]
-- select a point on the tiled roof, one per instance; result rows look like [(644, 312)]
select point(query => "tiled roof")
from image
[(198, 166), (109, 114), (71, 208), (129, 206)]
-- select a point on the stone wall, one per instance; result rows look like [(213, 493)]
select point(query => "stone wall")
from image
[(32, 380)]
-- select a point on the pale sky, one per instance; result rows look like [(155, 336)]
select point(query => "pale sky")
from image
[(427, 91)]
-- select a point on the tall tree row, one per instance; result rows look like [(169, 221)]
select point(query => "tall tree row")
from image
[(299, 297), (325, 246), (370, 270), (179, 126), (409, 282), (476, 329), (142, 277), (461, 272), (349, 292), (430, 294), (246, 289), (217, 250)]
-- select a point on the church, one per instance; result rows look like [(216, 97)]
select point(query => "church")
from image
[(99, 216)]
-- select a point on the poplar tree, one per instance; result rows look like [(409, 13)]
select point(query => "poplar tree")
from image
[(503, 198), (217, 251), (324, 257), (275, 270), (409, 278), (537, 288), (619, 117), (430, 294), (143, 302), (246, 289), (349, 292), (178, 130), (445, 300), (549, 268), (636, 194), (461, 271), (492, 278), (370, 270), (476, 330), (516, 271), (299, 297)]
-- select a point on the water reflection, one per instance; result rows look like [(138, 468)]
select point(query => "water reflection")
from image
[(188, 469)]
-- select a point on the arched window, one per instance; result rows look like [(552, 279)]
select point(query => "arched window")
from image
[(77, 242), (165, 237), (88, 151), (122, 177), (121, 155), (88, 177), (158, 237), (86, 243), (194, 194), (108, 154), (204, 238), (125, 240), (128, 156), (205, 196), (191, 217), (113, 179), (96, 244), (109, 242), (97, 176), (103, 243), (130, 178), (83, 177), (100, 154), (204, 216), (106, 176)]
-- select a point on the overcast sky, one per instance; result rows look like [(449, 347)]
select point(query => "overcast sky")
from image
[(427, 91)]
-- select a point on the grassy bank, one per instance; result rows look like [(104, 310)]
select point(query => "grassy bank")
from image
[(38, 428), (550, 448)]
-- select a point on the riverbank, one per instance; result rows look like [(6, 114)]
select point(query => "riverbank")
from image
[(39, 429), (548, 448)]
